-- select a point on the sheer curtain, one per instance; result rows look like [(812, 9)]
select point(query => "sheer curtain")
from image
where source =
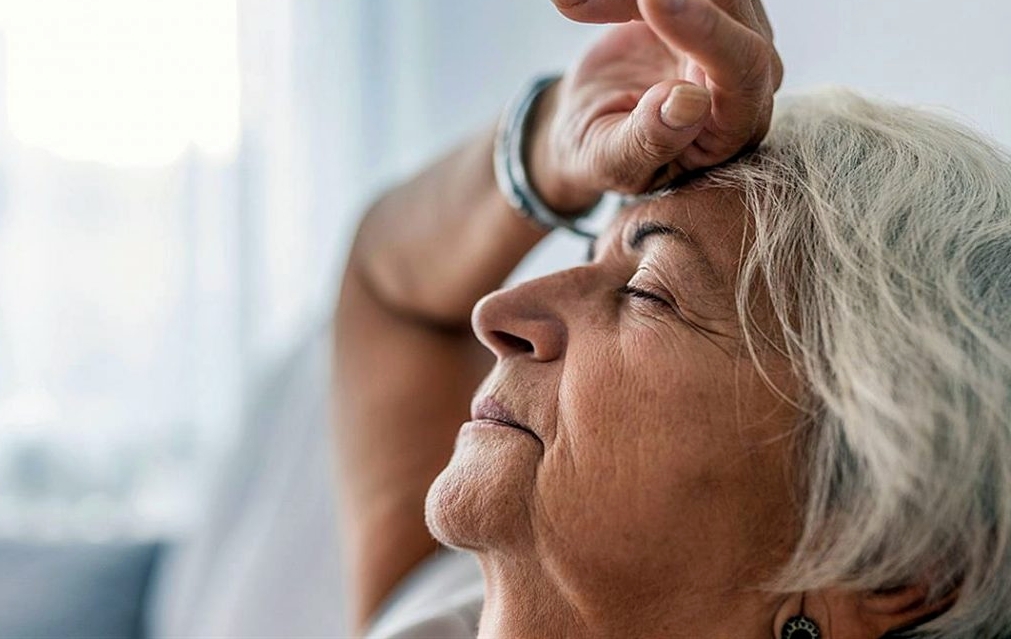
[(163, 242), (340, 99), (169, 256), (345, 98), (122, 354), (164, 292)]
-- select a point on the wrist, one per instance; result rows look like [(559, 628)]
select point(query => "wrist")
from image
[(545, 162)]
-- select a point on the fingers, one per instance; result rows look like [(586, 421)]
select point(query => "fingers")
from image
[(598, 10), (740, 65), (752, 14), (763, 19), (734, 57), (631, 150), (765, 29), (677, 126)]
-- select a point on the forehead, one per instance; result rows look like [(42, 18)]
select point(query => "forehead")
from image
[(713, 220)]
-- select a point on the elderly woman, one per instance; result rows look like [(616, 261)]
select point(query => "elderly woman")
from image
[(774, 403)]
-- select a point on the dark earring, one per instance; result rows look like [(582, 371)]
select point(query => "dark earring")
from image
[(800, 627)]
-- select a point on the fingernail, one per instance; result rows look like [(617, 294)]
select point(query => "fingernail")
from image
[(685, 106), (675, 5)]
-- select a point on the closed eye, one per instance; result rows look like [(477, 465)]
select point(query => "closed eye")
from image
[(639, 293), (672, 307)]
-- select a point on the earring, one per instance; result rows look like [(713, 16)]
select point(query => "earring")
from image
[(800, 627)]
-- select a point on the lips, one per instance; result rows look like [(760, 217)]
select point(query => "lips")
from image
[(489, 409)]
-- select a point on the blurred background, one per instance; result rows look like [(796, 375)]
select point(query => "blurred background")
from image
[(179, 183)]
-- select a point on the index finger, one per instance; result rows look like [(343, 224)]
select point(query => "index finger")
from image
[(735, 57)]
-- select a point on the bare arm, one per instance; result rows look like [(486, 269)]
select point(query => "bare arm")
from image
[(406, 361)]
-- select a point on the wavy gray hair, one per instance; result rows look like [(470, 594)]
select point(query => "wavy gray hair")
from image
[(883, 234)]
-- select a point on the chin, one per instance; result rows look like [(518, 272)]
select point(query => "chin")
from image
[(481, 499)]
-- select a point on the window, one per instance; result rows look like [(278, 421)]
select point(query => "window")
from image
[(120, 348)]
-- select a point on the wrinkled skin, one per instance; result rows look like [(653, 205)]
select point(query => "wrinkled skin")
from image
[(659, 461), (653, 99)]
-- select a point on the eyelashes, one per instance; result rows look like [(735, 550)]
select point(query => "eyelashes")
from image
[(632, 291), (667, 303), (670, 307)]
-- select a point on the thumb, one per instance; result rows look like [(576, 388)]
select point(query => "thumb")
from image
[(666, 120)]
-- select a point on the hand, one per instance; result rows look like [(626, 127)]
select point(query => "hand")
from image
[(688, 88)]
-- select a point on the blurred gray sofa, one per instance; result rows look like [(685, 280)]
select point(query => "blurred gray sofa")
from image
[(79, 590)]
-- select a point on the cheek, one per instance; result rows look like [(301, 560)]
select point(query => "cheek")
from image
[(644, 395), (651, 455), (628, 436)]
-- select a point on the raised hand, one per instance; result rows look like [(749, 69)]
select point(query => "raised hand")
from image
[(688, 87)]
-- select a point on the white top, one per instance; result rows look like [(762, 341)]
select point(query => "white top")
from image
[(441, 598)]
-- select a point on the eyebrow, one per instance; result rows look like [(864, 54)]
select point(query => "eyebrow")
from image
[(648, 228)]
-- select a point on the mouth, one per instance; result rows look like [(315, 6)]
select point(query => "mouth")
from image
[(489, 409)]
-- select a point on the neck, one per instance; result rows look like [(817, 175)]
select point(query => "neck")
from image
[(523, 602)]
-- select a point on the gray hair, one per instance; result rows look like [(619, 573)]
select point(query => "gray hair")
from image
[(883, 235)]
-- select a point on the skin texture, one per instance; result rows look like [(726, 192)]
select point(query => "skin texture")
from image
[(636, 412), (403, 345), (660, 462), (682, 90)]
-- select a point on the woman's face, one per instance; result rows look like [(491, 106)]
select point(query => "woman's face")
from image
[(650, 455)]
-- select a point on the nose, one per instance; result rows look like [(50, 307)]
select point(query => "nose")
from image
[(522, 321)]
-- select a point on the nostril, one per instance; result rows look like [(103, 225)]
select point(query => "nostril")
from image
[(513, 342)]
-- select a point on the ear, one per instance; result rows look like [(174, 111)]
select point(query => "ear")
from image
[(850, 614), (892, 609)]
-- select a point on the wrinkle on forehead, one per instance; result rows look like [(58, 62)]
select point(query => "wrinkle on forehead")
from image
[(707, 217)]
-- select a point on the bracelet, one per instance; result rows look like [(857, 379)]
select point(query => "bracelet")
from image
[(511, 174)]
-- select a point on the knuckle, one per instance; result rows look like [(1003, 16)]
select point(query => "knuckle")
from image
[(762, 56), (732, 142), (622, 176), (633, 168), (647, 148)]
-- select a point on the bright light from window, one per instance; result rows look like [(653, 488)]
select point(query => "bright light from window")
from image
[(122, 82)]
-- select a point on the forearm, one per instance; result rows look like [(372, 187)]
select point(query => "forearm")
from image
[(431, 248), (406, 361), (407, 364)]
